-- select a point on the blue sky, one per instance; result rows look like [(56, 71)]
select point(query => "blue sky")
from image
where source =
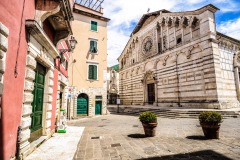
[(124, 15)]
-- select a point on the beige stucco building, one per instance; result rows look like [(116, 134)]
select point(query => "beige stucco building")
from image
[(178, 59), (87, 72)]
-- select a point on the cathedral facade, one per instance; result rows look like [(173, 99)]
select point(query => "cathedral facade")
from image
[(178, 59)]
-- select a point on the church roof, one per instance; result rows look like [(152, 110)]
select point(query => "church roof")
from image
[(156, 13), (145, 17)]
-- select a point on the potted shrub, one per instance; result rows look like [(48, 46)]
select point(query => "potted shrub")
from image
[(149, 122), (210, 122)]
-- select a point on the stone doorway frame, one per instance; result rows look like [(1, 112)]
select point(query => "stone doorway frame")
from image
[(75, 103), (36, 54), (148, 78)]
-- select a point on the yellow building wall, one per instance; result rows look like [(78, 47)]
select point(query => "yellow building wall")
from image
[(78, 71), (81, 58)]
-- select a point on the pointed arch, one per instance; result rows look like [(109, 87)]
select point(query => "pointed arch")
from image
[(192, 48), (156, 62)]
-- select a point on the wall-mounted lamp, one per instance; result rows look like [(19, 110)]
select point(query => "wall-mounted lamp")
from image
[(73, 43)]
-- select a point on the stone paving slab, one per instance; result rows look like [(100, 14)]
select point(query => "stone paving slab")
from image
[(121, 137), (62, 146)]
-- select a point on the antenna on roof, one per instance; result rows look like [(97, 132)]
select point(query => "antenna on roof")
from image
[(148, 10)]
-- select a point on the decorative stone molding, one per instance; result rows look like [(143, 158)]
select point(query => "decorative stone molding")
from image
[(191, 49), (149, 75), (236, 59), (59, 13), (184, 21), (4, 32), (26, 109), (62, 79), (26, 122), (165, 60), (37, 54), (30, 74), (31, 62), (28, 97)]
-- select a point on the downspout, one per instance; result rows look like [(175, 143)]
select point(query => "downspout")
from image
[(18, 154), (131, 89), (178, 91)]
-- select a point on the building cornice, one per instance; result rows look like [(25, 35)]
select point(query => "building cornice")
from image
[(37, 32), (88, 14)]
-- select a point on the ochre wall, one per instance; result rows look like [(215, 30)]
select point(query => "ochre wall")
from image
[(82, 32)]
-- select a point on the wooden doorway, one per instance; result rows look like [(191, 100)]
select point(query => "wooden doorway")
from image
[(37, 104), (82, 104), (151, 93)]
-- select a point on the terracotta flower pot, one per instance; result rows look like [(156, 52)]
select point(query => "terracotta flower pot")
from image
[(150, 129), (211, 131)]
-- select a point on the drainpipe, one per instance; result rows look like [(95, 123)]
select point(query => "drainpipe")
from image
[(178, 91), (18, 155), (131, 89)]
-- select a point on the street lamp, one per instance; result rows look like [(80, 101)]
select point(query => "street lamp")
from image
[(73, 43)]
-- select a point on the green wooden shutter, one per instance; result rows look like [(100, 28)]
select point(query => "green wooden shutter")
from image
[(95, 72), (93, 26), (95, 46), (91, 46), (90, 72)]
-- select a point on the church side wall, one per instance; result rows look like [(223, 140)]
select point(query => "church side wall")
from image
[(226, 80)]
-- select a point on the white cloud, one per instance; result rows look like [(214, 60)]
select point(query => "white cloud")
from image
[(230, 28), (125, 13)]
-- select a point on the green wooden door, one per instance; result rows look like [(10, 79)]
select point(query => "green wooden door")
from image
[(37, 104), (82, 105), (98, 107)]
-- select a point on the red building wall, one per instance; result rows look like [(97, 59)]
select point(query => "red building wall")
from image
[(64, 71), (54, 102), (10, 16), (58, 69)]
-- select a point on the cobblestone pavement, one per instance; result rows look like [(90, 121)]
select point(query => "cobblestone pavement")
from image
[(118, 137)]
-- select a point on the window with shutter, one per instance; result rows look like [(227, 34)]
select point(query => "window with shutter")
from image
[(92, 72), (94, 26), (95, 72), (93, 46)]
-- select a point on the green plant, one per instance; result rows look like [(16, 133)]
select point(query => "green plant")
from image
[(148, 117), (210, 117)]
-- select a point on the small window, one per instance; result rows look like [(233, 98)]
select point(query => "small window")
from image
[(94, 26), (133, 61), (92, 72), (179, 39), (93, 46)]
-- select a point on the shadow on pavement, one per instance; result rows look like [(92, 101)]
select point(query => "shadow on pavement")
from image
[(205, 154), (197, 137), (136, 136)]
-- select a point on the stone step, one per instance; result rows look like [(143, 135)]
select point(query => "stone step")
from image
[(170, 113)]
